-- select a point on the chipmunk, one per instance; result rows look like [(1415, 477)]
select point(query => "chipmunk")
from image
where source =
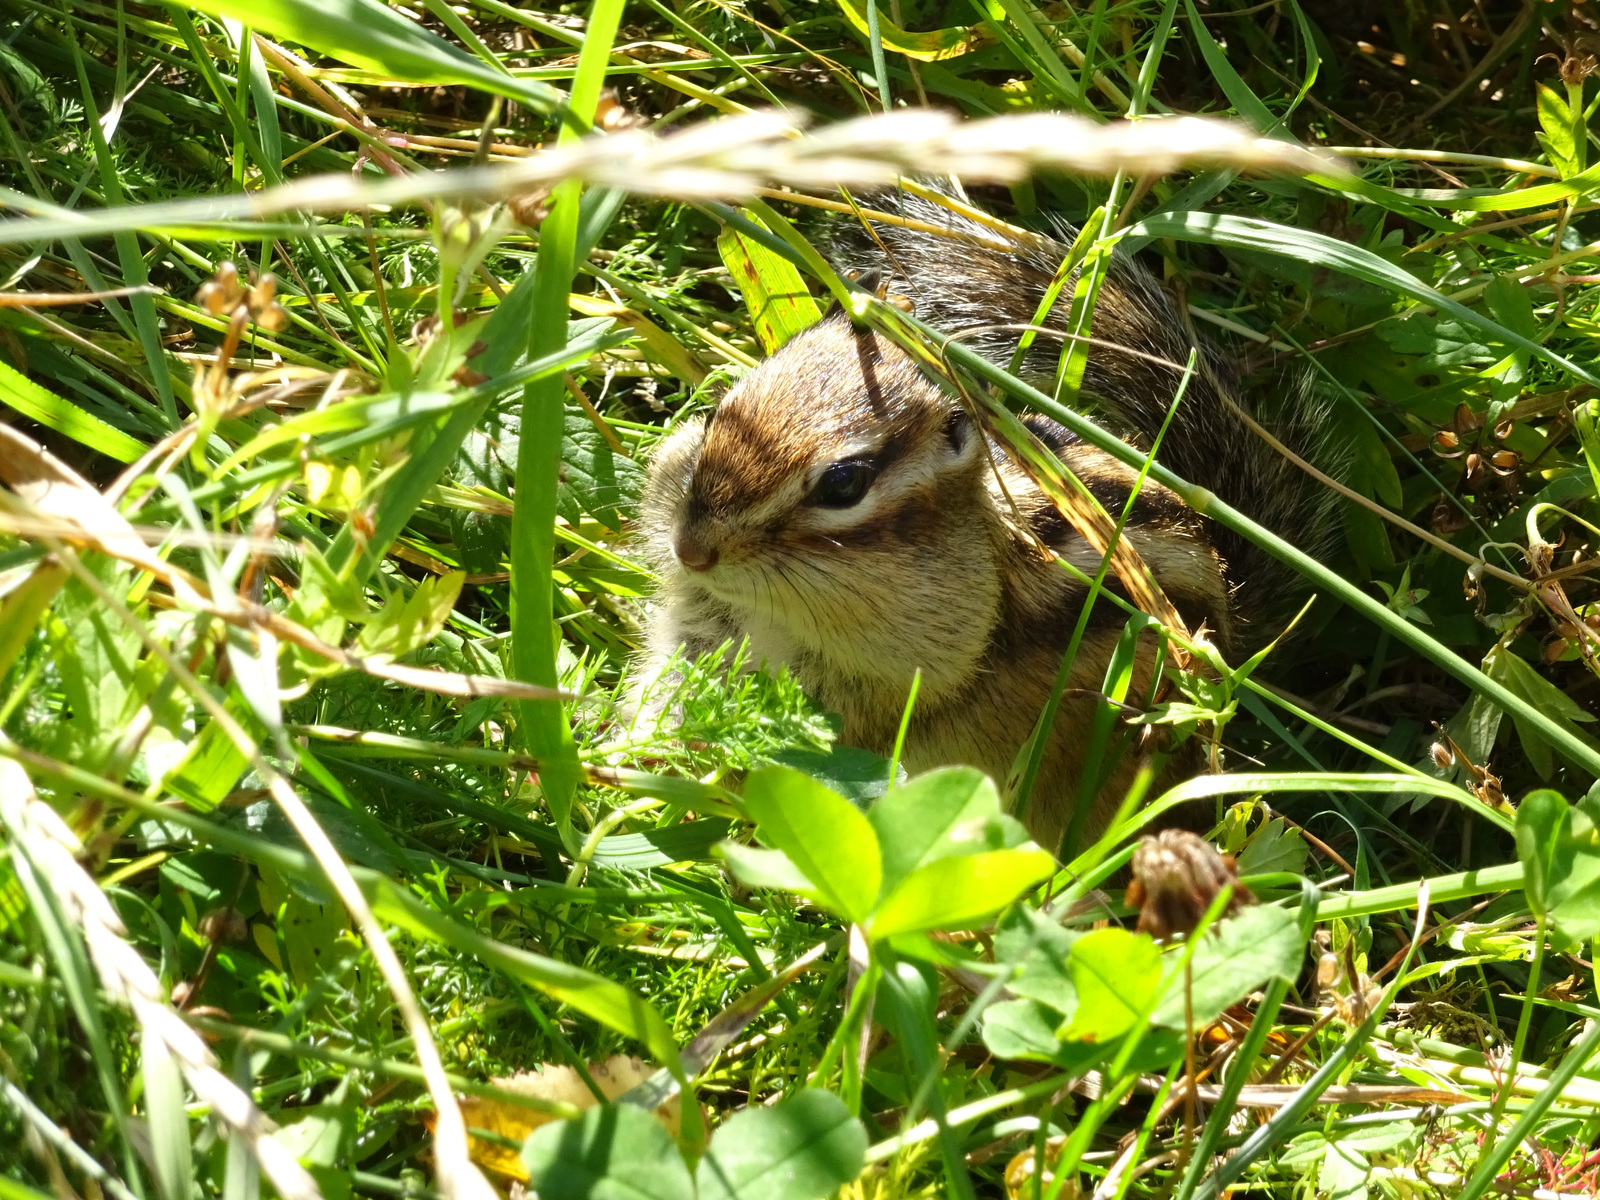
[(841, 510)]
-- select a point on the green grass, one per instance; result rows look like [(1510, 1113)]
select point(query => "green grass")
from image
[(342, 618)]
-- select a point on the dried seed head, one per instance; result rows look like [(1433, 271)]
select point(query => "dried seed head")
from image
[(1328, 970), (1176, 876), (272, 318), (530, 208), (1447, 518), (1446, 439), (263, 292), (1443, 757)]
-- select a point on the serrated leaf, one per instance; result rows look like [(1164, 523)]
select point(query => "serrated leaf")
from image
[(1276, 846), (595, 480)]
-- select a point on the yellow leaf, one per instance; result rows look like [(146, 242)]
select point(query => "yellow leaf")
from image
[(617, 1075), (932, 46), (659, 345), (773, 290)]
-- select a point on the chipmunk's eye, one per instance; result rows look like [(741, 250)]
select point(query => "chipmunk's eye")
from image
[(843, 484)]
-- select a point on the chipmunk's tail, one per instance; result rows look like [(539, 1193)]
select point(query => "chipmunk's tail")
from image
[(1142, 341)]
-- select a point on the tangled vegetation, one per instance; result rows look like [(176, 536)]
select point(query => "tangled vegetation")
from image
[(335, 339)]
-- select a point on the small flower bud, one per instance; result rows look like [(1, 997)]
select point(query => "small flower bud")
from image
[(1176, 876)]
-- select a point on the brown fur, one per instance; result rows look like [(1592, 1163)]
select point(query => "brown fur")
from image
[(936, 577), (938, 566)]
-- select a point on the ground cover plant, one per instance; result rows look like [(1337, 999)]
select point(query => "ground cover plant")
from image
[(334, 343)]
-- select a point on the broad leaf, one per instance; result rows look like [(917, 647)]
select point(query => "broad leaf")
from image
[(1116, 974), (1043, 949), (615, 1152), (806, 1146), (1560, 850), (774, 290), (955, 892), (954, 810), (760, 868), (1235, 958), (1544, 832), (823, 834)]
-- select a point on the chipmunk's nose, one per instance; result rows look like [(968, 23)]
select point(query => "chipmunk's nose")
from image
[(693, 552)]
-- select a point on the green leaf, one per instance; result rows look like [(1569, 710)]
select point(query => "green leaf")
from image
[(1245, 102), (823, 834), (1116, 974), (950, 811), (1276, 846), (955, 892), (1517, 677), (1343, 1172), (1560, 851), (806, 1146), (612, 1152), (406, 622), (1044, 951), (774, 290), (375, 37), (609, 1003), (1306, 246), (1543, 832), (758, 868), (1234, 959), (54, 412), (319, 1135), (858, 775), (1555, 118), (168, 1121), (1020, 1029)]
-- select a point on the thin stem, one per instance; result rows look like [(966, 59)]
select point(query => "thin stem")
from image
[(1518, 1044)]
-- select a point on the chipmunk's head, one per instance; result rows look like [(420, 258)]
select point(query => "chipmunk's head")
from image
[(831, 505)]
